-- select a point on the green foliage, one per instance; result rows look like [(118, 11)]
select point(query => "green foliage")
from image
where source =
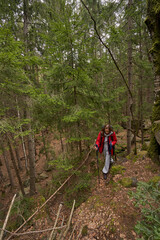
[(23, 208), (147, 198), (79, 190), (63, 163)]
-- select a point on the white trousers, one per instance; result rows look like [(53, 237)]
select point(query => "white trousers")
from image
[(108, 158), (107, 162)]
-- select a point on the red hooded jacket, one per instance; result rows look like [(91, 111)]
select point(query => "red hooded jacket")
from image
[(112, 139)]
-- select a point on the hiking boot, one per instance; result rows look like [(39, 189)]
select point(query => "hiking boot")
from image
[(104, 176)]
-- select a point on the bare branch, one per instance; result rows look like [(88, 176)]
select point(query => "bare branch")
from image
[(100, 39)]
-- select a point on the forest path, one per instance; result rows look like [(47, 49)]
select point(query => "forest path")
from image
[(109, 213)]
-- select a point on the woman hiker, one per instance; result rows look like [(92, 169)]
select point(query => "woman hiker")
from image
[(105, 143)]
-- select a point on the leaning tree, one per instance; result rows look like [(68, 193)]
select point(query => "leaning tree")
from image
[(153, 24)]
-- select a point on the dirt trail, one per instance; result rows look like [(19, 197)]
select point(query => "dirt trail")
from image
[(109, 213)]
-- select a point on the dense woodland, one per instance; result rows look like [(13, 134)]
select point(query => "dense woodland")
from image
[(66, 68)]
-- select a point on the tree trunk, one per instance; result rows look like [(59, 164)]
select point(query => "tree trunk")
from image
[(31, 153), (141, 87), (44, 145), (15, 166), (78, 124), (31, 145), (153, 24), (22, 139), (129, 102), (17, 153), (7, 165)]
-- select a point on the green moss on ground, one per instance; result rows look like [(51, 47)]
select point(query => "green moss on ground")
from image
[(155, 179), (118, 169), (126, 182), (132, 157)]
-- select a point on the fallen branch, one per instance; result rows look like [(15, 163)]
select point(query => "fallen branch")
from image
[(72, 231), (69, 221), (34, 232), (6, 220), (51, 195), (51, 235)]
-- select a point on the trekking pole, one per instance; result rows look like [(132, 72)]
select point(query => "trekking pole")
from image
[(98, 167)]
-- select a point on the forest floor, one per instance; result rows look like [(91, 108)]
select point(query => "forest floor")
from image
[(108, 213)]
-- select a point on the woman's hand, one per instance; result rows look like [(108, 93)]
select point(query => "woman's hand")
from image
[(96, 148)]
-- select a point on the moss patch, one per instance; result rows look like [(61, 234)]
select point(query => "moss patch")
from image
[(142, 154), (151, 168), (94, 202), (155, 179), (118, 169), (132, 157), (126, 182)]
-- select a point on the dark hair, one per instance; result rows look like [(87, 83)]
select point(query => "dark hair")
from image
[(106, 126)]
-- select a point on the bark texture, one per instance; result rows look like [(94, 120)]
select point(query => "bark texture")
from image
[(153, 24)]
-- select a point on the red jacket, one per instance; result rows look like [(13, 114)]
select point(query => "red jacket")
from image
[(112, 139)]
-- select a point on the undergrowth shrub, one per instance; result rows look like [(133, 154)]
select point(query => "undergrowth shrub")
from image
[(147, 198), (79, 189)]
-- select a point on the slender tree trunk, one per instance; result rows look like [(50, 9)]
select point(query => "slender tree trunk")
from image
[(78, 124), (17, 153), (22, 139), (31, 155), (1, 174), (15, 166), (31, 145), (18, 158), (44, 145), (129, 133), (62, 146), (7, 164), (141, 87)]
